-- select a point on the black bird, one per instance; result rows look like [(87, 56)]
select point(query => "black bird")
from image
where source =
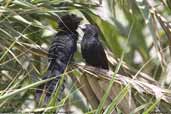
[(92, 49), (60, 53)]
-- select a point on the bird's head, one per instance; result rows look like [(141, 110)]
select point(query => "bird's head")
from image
[(69, 22), (90, 29)]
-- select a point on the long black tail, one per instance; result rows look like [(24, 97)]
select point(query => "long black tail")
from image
[(48, 88)]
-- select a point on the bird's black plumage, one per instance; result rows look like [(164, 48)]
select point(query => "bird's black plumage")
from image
[(92, 49), (60, 53)]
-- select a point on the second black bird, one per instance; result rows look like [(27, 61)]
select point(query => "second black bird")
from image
[(92, 49)]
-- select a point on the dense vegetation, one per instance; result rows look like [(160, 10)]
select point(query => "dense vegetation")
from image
[(135, 33)]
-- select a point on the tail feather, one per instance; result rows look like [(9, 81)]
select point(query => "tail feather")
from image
[(48, 88)]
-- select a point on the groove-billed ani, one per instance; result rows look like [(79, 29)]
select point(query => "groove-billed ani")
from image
[(92, 49), (60, 53)]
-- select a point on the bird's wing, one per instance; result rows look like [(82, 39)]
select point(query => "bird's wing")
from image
[(84, 48), (101, 55)]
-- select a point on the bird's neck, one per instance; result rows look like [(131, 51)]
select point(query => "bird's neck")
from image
[(68, 31), (73, 34)]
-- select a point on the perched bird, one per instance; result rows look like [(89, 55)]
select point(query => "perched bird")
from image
[(94, 55), (92, 49), (60, 53)]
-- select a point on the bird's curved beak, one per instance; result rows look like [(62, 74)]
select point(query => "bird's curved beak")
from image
[(82, 27)]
